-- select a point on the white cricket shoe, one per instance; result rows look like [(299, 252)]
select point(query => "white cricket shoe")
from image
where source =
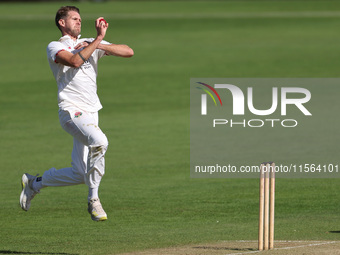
[(96, 210), (27, 193)]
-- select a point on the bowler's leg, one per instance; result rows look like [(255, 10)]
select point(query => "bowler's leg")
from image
[(95, 170), (84, 128), (88, 163)]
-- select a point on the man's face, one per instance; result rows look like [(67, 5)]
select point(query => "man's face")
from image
[(72, 24)]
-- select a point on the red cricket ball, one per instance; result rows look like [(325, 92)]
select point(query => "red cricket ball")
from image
[(103, 21)]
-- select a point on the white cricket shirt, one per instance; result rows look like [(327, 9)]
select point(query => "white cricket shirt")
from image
[(77, 87)]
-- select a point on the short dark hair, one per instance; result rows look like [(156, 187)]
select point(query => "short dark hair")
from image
[(63, 12)]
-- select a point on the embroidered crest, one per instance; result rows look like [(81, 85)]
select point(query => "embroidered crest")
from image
[(78, 114)]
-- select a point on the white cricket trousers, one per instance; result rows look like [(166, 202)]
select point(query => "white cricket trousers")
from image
[(89, 147)]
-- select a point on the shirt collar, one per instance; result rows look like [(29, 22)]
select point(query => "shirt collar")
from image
[(67, 37)]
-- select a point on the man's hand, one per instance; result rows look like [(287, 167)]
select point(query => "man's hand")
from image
[(81, 45), (101, 27)]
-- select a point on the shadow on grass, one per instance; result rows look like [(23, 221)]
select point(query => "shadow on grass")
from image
[(223, 248), (335, 232), (26, 252)]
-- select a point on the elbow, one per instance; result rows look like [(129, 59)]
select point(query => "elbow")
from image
[(75, 61), (129, 53), (76, 64)]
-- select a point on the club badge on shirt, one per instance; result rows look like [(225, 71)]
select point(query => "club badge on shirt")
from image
[(78, 114)]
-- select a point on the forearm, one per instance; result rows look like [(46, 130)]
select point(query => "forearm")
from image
[(86, 52), (76, 60), (120, 50)]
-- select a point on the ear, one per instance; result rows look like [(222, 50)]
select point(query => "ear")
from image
[(61, 23)]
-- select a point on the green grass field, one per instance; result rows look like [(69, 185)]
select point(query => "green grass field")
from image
[(147, 191)]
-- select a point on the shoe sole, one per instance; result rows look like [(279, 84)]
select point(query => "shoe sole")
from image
[(99, 219), (23, 179)]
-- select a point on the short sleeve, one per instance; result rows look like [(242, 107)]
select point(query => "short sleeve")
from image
[(105, 42), (101, 53), (53, 49)]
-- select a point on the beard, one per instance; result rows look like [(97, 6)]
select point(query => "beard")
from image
[(75, 31)]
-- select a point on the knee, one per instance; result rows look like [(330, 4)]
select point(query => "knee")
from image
[(104, 143), (101, 144)]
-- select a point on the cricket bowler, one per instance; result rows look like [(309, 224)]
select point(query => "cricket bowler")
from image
[(73, 61)]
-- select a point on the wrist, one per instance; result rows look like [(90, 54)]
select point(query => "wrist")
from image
[(99, 38)]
